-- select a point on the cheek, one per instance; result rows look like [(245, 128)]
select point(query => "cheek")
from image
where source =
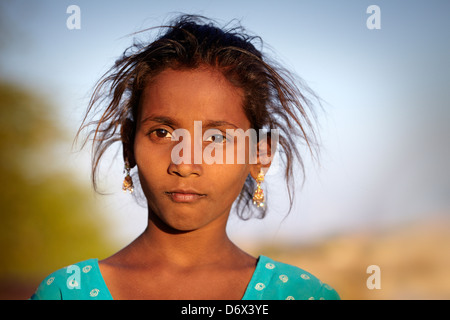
[(151, 162), (228, 180), (146, 152)]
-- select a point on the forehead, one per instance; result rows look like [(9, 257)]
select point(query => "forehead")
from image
[(190, 95)]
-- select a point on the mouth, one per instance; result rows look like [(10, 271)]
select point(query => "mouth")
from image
[(184, 196)]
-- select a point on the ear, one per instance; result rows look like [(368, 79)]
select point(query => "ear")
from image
[(266, 150), (127, 133)]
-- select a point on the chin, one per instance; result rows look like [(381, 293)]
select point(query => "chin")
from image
[(180, 222)]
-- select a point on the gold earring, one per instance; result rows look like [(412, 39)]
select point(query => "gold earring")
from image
[(258, 195), (128, 181)]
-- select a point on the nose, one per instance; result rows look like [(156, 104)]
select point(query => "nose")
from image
[(183, 160), (184, 169)]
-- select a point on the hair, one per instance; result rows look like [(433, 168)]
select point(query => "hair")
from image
[(272, 98)]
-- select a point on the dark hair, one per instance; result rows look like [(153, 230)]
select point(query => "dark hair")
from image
[(272, 100)]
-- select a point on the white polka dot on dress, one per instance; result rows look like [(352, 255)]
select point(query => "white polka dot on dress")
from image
[(94, 292), (72, 284), (270, 266), (259, 286), (304, 276), (86, 269)]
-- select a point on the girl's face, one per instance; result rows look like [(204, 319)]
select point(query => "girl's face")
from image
[(188, 196)]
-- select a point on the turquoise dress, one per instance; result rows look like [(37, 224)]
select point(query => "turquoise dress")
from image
[(271, 280)]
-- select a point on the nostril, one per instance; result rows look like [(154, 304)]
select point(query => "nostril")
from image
[(184, 170)]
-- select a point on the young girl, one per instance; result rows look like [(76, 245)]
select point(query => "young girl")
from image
[(196, 77)]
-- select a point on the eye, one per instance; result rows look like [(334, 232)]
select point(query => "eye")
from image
[(160, 134), (216, 138)]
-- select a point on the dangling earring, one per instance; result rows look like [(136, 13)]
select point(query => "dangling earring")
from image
[(258, 195), (128, 181)]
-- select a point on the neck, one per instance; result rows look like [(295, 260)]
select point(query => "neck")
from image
[(207, 245)]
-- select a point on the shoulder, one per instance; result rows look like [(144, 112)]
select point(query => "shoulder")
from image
[(79, 281), (274, 280)]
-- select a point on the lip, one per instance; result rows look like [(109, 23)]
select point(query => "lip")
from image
[(184, 196)]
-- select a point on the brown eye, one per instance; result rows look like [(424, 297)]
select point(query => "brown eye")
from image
[(161, 133)]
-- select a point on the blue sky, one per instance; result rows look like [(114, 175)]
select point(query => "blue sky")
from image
[(385, 135)]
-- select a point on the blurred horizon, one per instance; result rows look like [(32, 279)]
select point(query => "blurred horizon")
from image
[(385, 138)]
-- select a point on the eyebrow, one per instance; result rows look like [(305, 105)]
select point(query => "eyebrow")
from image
[(162, 120), (213, 123), (173, 123)]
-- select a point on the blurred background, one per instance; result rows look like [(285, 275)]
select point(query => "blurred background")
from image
[(380, 194)]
